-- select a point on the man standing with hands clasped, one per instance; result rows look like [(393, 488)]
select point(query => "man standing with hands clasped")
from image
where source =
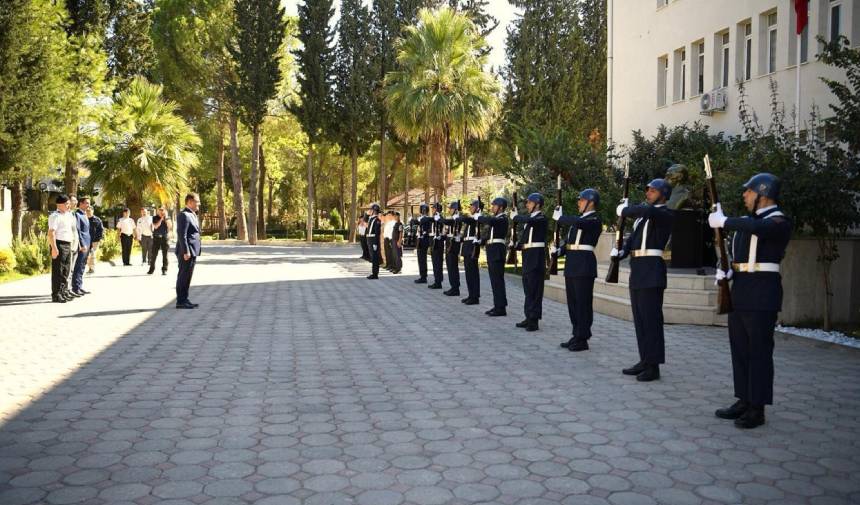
[(187, 249), (758, 247)]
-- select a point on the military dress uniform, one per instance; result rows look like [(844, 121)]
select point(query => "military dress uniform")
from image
[(373, 230), (362, 238), (652, 231), (471, 242), (437, 253), (533, 246), (396, 241), (580, 270), (758, 246), (496, 251), (425, 226), (452, 255)]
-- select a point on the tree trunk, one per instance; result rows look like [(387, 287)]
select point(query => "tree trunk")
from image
[(17, 209), (261, 220), (383, 177), (427, 173), (342, 204), (405, 189), (353, 205), (437, 165), (310, 224), (252, 185), (465, 169), (236, 173), (71, 174), (269, 202), (222, 220), (134, 202)]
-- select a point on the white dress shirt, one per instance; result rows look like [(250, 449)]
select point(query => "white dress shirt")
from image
[(125, 225), (144, 226), (63, 225)]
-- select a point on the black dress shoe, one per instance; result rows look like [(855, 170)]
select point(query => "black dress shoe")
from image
[(84, 291), (58, 299), (192, 303), (533, 325), (735, 411), (472, 301), (185, 305), (371, 276), (464, 300), (78, 293), (567, 343), (635, 369), (497, 312), (523, 324), (164, 272), (150, 272), (651, 373), (420, 281), (435, 285), (578, 346), (453, 292), (753, 417)]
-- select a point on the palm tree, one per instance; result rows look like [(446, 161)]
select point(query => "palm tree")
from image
[(440, 91), (147, 149)]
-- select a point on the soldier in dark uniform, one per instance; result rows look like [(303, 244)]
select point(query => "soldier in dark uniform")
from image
[(362, 236), (471, 241), (424, 225), (580, 265), (496, 251), (396, 243), (452, 255), (533, 245), (387, 229), (647, 244), (758, 246), (374, 228), (437, 252)]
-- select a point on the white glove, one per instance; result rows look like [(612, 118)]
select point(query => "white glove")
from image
[(456, 215), (555, 250), (720, 275), (513, 213), (613, 253), (437, 217), (717, 219), (621, 206), (375, 247), (556, 215)]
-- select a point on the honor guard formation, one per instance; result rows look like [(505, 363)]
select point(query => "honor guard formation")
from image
[(507, 236)]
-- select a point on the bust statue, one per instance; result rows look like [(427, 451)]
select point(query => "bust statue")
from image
[(679, 177)]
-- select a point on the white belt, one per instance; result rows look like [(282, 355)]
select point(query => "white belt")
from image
[(456, 239), (639, 253), (534, 244), (470, 237), (497, 241), (579, 247), (756, 267), (371, 235)]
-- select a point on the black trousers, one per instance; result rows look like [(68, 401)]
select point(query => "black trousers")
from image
[(60, 267), (183, 278), (437, 256), (374, 257), (126, 242), (422, 262), (473, 279), (159, 243), (580, 292), (387, 263), (533, 288), (452, 263), (497, 283), (647, 307), (751, 338), (396, 257), (365, 253)]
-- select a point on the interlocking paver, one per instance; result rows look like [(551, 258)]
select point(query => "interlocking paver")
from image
[(298, 381)]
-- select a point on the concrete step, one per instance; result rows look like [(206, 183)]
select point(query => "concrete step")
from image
[(674, 279), (696, 297)]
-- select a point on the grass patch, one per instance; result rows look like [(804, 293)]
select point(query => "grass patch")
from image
[(12, 276)]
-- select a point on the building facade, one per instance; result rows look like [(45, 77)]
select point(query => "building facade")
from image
[(672, 62)]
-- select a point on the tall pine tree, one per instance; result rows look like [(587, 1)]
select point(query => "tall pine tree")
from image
[(353, 95), (128, 43), (260, 30), (386, 28), (315, 61)]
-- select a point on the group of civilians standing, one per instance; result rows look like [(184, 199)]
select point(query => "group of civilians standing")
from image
[(74, 238)]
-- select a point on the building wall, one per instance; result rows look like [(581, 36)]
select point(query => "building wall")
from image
[(643, 31)]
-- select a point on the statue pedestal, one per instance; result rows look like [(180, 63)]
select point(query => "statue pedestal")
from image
[(689, 241)]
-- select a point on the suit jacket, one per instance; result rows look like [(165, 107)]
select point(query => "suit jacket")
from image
[(470, 230), (581, 263), (425, 224), (83, 229), (648, 271), (187, 233), (498, 229), (758, 291), (534, 259)]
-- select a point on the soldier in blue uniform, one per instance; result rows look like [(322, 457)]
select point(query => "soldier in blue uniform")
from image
[(437, 253), (580, 265), (496, 250), (471, 240), (374, 229), (424, 224), (533, 245), (758, 246), (647, 248), (452, 255)]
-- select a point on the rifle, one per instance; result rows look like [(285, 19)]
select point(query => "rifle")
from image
[(612, 274), (476, 248), (724, 296), (512, 247), (553, 266)]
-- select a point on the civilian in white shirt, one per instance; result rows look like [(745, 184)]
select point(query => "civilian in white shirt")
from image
[(125, 228), (144, 235), (60, 236)]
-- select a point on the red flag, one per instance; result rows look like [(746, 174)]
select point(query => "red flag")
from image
[(801, 8)]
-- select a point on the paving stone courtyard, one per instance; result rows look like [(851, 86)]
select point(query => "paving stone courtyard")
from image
[(298, 381)]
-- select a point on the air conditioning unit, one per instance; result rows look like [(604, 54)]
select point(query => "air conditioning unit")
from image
[(713, 101)]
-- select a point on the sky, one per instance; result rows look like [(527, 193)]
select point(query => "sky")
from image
[(500, 9)]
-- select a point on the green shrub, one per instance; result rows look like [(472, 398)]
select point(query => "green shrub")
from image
[(32, 255), (109, 247), (7, 261)]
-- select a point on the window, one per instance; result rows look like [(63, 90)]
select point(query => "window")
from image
[(835, 20), (700, 67), (747, 52), (771, 43), (680, 87), (662, 79), (724, 60)]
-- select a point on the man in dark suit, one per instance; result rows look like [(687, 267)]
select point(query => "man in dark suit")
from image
[(580, 266), (533, 245), (374, 230), (437, 251), (647, 247), (424, 224), (84, 241), (187, 249), (758, 247), (496, 250)]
